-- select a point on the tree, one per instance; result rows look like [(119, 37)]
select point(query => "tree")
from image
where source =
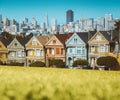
[(108, 61), (117, 25), (80, 62)]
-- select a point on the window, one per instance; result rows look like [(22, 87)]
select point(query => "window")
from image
[(70, 50), (98, 37), (15, 44), (57, 50), (12, 54), (37, 52), (79, 51), (41, 53), (50, 51), (31, 52), (34, 42), (53, 51), (102, 49), (23, 54), (19, 54), (75, 40), (61, 51), (54, 41), (92, 49), (83, 51)]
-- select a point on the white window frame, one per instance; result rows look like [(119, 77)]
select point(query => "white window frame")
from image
[(31, 52), (19, 54), (102, 49), (12, 54), (37, 52)]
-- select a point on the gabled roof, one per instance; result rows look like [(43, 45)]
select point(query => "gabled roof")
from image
[(6, 40), (23, 40), (83, 36), (43, 39), (106, 35), (63, 37)]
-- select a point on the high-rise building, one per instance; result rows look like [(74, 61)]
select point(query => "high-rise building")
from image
[(89, 24), (12, 22), (101, 24), (26, 21), (54, 25), (6, 21), (34, 22), (108, 19), (47, 21), (69, 16), (0, 21)]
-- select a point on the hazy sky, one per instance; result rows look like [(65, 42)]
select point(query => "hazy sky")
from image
[(19, 9)]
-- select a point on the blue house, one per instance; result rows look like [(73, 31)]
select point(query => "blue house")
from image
[(76, 47)]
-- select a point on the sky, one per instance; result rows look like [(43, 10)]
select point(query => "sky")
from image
[(20, 9)]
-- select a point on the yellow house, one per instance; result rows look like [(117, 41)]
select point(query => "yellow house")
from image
[(35, 49), (4, 41), (99, 45)]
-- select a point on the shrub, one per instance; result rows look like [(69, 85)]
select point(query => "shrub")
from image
[(109, 62), (15, 64), (37, 64), (57, 63), (1, 63), (80, 62)]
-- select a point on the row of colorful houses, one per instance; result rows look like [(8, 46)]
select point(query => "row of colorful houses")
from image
[(67, 47)]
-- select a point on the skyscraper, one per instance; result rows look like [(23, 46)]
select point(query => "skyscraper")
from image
[(0, 21), (108, 19), (26, 21), (69, 16), (34, 22), (101, 24), (47, 22)]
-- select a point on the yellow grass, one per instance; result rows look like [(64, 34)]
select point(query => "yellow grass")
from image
[(20, 83)]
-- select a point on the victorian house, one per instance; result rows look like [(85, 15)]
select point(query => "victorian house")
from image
[(99, 45), (36, 49), (55, 47), (17, 50), (76, 47), (5, 40)]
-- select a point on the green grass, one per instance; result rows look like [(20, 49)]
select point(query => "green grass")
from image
[(19, 83)]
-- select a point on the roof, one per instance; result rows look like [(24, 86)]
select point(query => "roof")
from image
[(63, 37), (106, 34), (6, 38), (43, 39), (23, 40), (83, 36)]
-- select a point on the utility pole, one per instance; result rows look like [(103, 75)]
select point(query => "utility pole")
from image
[(117, 27)]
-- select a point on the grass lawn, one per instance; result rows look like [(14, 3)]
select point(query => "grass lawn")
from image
[(20, 83)]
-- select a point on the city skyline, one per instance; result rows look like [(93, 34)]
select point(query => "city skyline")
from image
[(20, 9)]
